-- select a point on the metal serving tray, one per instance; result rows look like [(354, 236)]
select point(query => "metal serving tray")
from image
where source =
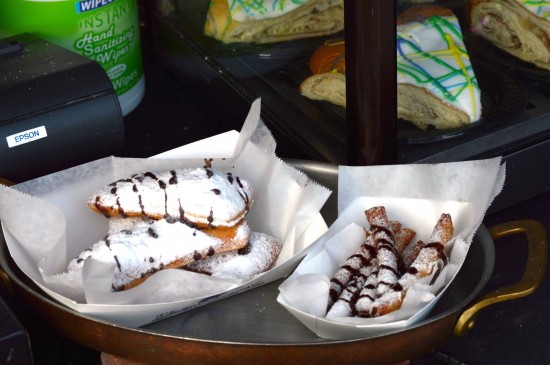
[(252, 328)]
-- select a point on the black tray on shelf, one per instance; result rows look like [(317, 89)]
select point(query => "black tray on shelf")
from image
[(232, 76)]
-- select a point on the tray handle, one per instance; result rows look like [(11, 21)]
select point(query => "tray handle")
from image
[(5, 282), (5, 181), (537, 258)]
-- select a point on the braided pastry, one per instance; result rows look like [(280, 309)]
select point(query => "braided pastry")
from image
[(269, 21), (518, 27)]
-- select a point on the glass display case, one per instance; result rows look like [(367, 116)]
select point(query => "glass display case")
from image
[(514, 95), (187, 70)]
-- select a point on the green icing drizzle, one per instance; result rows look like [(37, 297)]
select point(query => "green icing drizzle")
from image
[(538, 7), (446, 70), (259, 8)]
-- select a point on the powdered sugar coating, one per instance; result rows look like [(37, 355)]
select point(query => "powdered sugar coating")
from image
[(387, 303), (367, 296), (383, 231), (151, 246), (443, 230), (427, 260), (351, 267), (345, 305), (380, 287), (117, 224), (196, 195), (387, 269), (430, 256), (259, 256)]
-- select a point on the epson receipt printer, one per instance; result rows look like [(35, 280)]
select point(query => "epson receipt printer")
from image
[(57, 109)]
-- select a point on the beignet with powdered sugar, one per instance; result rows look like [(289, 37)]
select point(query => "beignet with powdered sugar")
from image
[(258, 256), (172, 219), (201, 197), (150, 246)]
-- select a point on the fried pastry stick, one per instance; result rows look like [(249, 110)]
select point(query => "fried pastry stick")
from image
[(390, 241), (375, 264), (427, 260)]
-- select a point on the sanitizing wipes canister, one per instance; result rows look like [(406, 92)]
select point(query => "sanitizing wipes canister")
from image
[(106, 31)]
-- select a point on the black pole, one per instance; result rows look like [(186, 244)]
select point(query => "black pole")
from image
[(371, 81)]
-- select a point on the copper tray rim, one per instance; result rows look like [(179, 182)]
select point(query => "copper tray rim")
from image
[(313, 169), (175, 342), (28, 286)]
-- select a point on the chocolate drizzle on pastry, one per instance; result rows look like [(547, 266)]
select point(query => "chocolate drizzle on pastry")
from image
[(430, 258), (192, 218), (102, 209), (259, 255), (167, 195), (374, 280), (173, 179), (151, 246), (351, 268)]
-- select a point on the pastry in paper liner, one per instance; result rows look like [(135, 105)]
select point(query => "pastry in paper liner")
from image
[(148, 247), (372, 270), (341, 241), (294, 219), (429, 262)]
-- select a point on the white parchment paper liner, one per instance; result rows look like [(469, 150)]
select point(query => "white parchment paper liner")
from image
[(416, 195), (46, 223)]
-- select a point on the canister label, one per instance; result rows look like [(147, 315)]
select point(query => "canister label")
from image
[(109, 34), (26, 136), (88, 5)]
